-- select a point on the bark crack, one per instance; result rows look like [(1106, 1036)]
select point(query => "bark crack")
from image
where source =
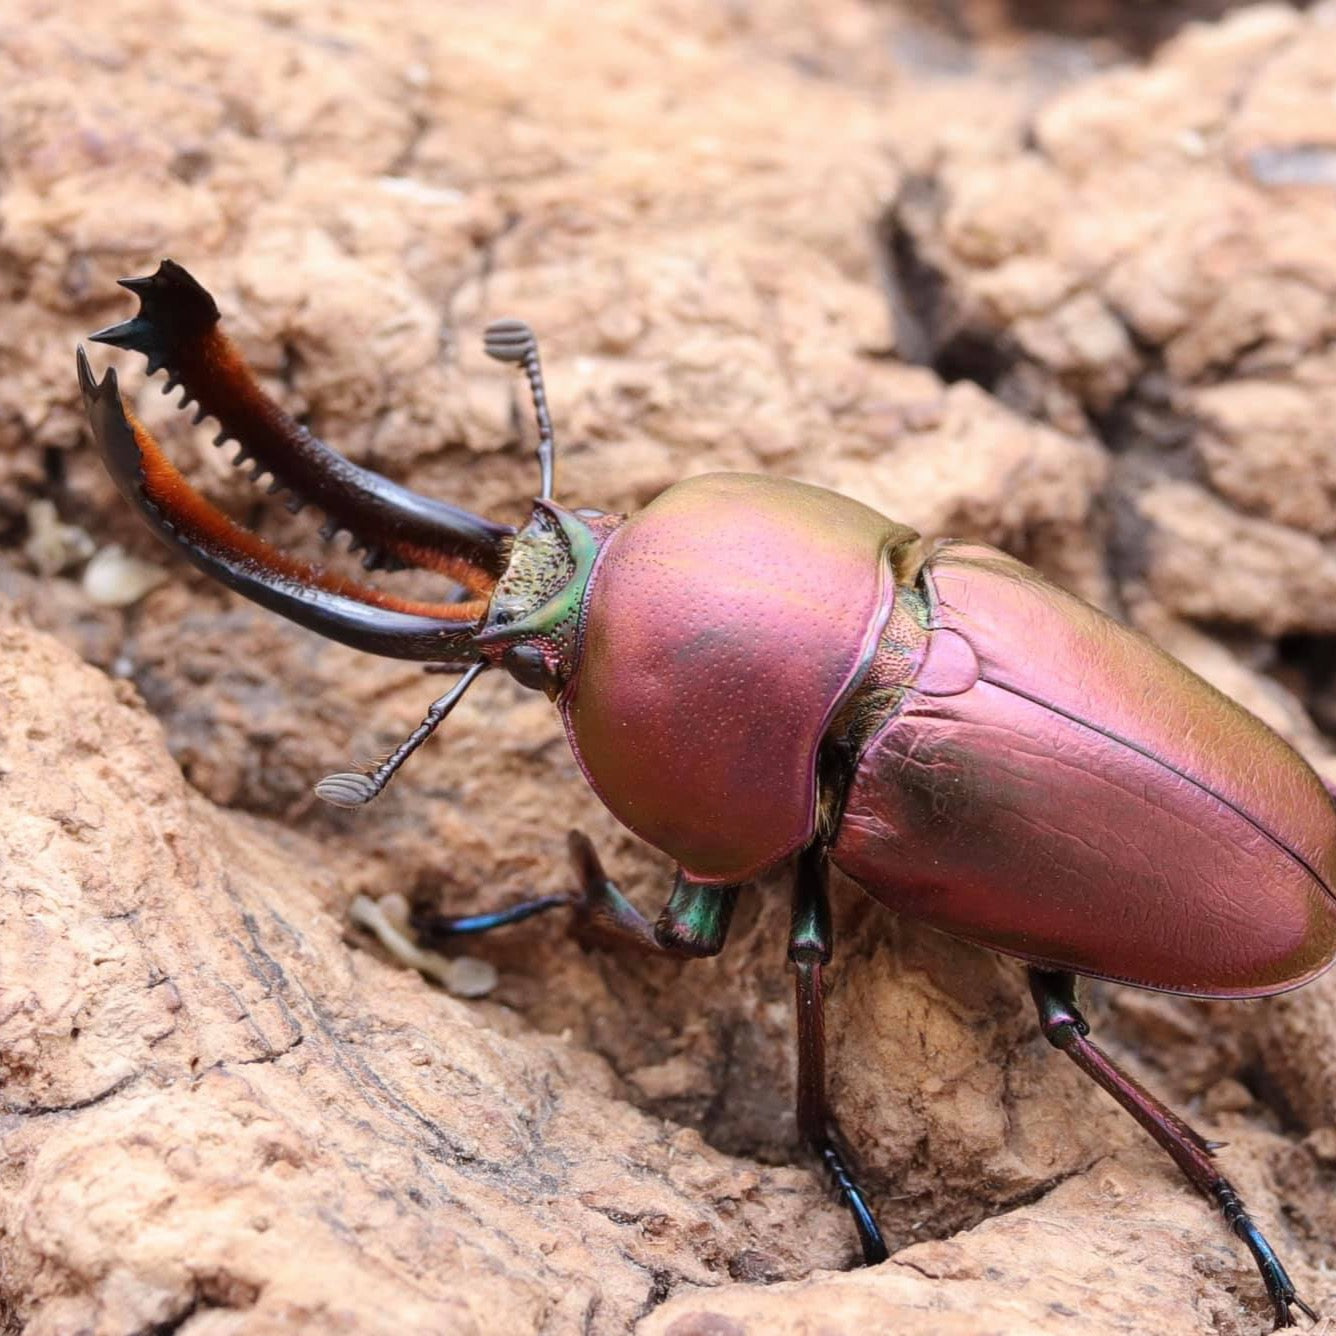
[(74, 1106)]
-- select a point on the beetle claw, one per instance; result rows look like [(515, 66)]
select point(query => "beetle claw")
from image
[(177, 330), (173, 308), (342, 609)]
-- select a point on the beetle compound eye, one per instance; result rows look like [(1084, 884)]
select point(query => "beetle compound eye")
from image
[(527, 664)]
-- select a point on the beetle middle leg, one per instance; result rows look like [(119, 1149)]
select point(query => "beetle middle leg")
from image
[(694, 923), (1066, 1029), (810, 949)]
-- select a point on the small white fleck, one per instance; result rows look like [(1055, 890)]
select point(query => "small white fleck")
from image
[(114, 579), (52, 547), (387, 919), (405, 187)]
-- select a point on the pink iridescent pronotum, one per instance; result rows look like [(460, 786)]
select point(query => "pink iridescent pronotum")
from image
[(756, 673)]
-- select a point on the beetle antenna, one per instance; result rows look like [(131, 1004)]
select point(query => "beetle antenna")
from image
[(449, 667), (350, 788), (511, 340)]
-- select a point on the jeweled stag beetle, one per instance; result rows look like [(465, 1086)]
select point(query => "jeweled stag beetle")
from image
[(753, 671)]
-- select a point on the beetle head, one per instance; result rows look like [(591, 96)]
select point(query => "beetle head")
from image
[(516, 595), (533, 618)]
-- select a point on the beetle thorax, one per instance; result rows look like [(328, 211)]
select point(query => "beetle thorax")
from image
[(725, 626)]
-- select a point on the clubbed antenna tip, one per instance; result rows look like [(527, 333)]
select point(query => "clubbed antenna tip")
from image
[(350, 788), (510, 340)]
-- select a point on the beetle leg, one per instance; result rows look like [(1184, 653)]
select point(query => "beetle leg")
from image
[(1066, 1029), (809, 949), (694, 922)]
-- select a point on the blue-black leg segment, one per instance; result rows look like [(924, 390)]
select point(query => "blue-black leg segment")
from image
[(693, 923), (434, 927), (809, 949), (1066, 1029)]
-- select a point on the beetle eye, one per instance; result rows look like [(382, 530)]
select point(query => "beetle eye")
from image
[(527, 664)]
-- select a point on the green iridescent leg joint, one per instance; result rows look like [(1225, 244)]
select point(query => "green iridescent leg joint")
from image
[(695, 920)]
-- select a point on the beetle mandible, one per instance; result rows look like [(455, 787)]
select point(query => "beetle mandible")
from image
[(854, 698)]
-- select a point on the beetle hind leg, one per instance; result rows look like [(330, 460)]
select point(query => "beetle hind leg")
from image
[(1066, 1029), (810, 950)]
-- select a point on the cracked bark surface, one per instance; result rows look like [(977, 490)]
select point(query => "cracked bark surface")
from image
[(221, 1111)]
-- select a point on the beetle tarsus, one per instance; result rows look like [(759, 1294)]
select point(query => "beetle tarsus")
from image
[(1066, 1029), (869, 1235), (1279, 1286), (433, 929)]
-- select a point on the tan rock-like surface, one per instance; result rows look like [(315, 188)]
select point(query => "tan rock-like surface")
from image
[(1147, 258), (221, 1109)]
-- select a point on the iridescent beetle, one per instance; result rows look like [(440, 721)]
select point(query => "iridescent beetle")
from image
[(753, 671)]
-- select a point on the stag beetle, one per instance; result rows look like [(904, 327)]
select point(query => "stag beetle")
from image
[(753, 672)]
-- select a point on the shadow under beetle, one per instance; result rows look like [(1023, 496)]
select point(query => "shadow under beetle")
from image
[(753, 671)]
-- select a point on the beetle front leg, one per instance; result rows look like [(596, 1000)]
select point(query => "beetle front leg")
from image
[(1066, 1029), (694, 922), (810, 949)]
